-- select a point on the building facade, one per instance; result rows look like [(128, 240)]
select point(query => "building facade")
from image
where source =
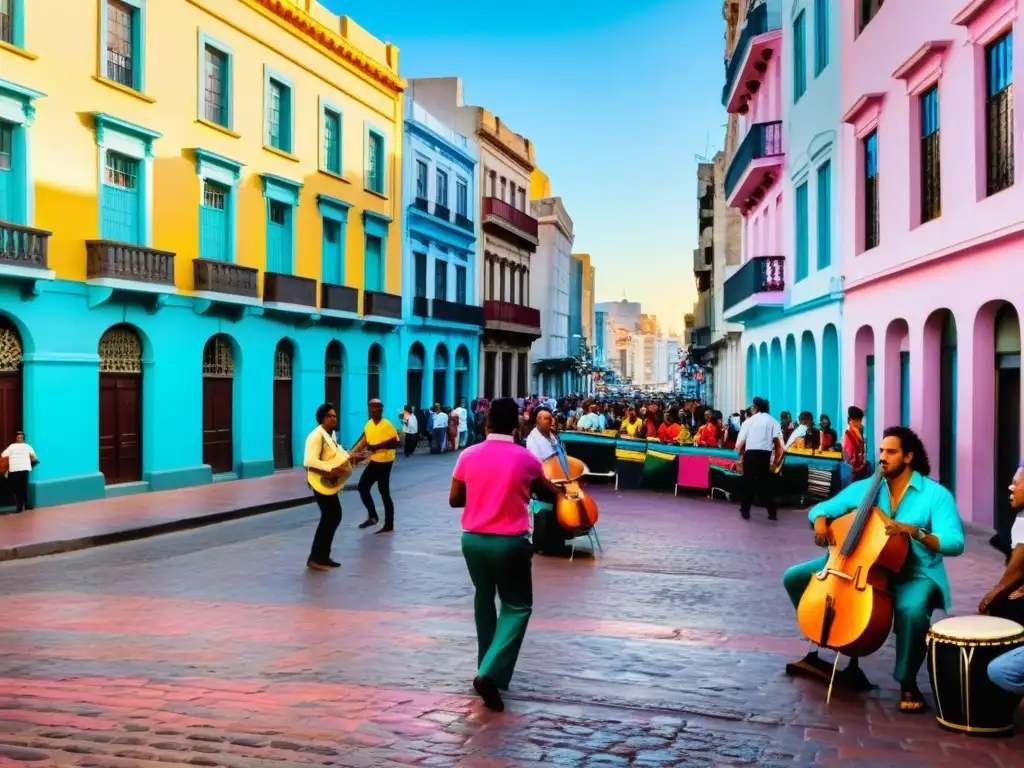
[(443, 316), (178, 344), (783, 79), (931, 332), (508, 235)]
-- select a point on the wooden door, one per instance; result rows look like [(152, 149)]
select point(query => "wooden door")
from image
[(218, 416), (282, 423), (1007, 437), (120, 427), (10, 407), (332, 392)]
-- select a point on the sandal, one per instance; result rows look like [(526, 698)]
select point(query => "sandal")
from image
[(912, 702)]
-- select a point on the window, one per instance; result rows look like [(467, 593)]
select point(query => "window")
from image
[(504, 185), (824, 215), (8, 183), (801, 232), (7, 21), (375, 161), (120, 199), (522, 199), (440, 279), (374, 263), (799, 57), (332, 259), (6, 139), (871, 213), (421, 179), (821, 26), (278, 114), (868, 9), (332, 139), (442, 188), (123, 33), (216, 85), (420, 279), (512, 195), (460, 284), (494, 183), (461, 198), (279, 254), (931, 177), (213, 221), (999, 113)]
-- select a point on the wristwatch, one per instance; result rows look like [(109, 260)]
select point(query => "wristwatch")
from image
[(920, 534)]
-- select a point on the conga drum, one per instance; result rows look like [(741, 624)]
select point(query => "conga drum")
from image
[(959, 652)]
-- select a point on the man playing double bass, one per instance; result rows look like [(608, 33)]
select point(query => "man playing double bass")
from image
[(925, 513)]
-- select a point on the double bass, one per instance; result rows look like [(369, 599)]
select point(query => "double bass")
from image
[(848, 605), (576, 510)]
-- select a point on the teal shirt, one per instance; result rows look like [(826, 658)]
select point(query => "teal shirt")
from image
[(927, 505)]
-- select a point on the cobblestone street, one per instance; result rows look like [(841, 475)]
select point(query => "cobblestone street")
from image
[(217, 647)]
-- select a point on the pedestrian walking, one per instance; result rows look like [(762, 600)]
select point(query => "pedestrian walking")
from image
[(492, 482), (21, 460), (410, 430), (380, 439), (761, 451)]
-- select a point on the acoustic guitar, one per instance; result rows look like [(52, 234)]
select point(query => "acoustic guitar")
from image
[(334, 456)]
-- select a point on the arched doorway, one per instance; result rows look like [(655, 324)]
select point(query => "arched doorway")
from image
[(10, 382), (830, 383), (283, 356), (864, 385), (791, 400), (332, 376), (414, 376), (462, 375), (218, 404), (1007, 421), (896, 400), (441, 376), (375, 363), (777, 382), (763, 373), (751, 374), (121, 405), (948, 402), (808, 374)]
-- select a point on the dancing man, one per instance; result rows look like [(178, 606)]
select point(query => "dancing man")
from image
[(492, 483), (920, 510), (380, 438), (321, 457)]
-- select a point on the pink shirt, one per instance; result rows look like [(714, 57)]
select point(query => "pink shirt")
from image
[(498, 475)]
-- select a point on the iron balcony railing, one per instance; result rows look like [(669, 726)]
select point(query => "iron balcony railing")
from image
[(339, 297), (23, 246), (382, 304), (762, 19), (453, 312), (289, 289), (521, 220), (507, 312), (124, 261), (762, 274), (762, 140), (225, 277)]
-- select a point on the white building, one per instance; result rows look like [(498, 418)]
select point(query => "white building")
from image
[(549, 291)]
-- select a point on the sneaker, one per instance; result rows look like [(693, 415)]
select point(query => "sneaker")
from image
[(368, 522), (332, 563)]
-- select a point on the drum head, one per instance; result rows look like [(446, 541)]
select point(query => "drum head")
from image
[(976, 628)]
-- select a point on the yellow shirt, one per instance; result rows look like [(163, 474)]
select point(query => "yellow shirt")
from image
[(632, 429), (380, 433)]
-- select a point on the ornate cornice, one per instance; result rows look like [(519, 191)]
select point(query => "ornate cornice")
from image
[(331, 41)]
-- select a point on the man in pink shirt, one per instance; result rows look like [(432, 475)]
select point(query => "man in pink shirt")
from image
[(492, 482)]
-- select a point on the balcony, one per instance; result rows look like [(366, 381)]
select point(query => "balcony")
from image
[(507, 220), (109, 259), (755, 167), (757, 291), (380, 304), (442, 212), (512, 318), (453, 312), (421, 306), (289, 289), (224, 277), (463, 222), (422, 204), (23, 246), (760, 39), (340, 298)]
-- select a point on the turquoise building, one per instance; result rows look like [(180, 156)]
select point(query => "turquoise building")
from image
[(440, 338)]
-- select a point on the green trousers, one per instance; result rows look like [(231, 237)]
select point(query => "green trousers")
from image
[(915, 596), (499, 565)]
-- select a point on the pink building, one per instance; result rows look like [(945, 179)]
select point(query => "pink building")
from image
[(933, 222)]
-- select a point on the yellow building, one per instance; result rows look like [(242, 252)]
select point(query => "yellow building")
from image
[(587, 290), (200, 211)]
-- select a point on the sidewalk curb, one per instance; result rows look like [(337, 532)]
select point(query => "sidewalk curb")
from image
[(44, 548)]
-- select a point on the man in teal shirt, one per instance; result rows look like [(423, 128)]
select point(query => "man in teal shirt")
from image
[(924, 512)]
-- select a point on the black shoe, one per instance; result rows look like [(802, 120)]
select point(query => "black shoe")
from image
[(332, 563), (385, 529), (745, 514), (773, 515), (368, 522), (313, 565), (489, 693)]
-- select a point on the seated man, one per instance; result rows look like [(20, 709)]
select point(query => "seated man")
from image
[(925, 513), (1006, 600)]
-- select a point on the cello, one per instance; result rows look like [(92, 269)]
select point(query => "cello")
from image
[(848, 605), (576, 510)]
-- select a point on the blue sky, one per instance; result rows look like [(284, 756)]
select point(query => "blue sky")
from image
[(619, 98)]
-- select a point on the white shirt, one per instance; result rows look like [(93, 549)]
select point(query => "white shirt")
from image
[(799, 432), (412, 426), (463, 418), (21, 455), (590, 421), (540, 446), (316, 442), (1016, 532), (759, 432), (440, 420)]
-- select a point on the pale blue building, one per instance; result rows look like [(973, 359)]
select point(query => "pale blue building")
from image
[(444, 319)]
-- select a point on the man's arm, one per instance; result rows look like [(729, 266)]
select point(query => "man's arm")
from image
[(457, 494), (947, 534), (741, 439), (1013, 577)]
